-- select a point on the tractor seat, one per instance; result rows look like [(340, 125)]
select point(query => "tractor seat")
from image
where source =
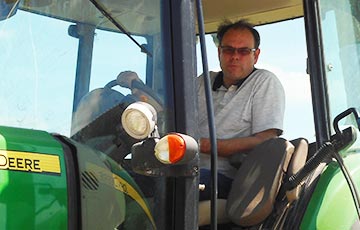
[(93, 105), (258, 181), (96, 122)]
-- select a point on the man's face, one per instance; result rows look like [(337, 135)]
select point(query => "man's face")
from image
[(237, 64)]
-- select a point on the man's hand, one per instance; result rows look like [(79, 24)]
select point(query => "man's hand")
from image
[(125, 78), (205, 145)]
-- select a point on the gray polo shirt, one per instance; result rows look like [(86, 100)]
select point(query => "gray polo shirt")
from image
[(256, 105)]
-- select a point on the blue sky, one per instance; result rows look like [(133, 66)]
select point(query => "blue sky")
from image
[(283, 51)]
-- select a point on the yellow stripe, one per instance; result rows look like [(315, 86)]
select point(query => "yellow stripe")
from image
[(30, 162), (122, 185)]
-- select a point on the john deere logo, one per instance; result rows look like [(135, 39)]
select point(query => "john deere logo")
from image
[(30, 162)]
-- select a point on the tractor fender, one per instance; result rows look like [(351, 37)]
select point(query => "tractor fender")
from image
[(331, 206)]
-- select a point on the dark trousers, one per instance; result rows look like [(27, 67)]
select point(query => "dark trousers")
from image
[(224, 185)]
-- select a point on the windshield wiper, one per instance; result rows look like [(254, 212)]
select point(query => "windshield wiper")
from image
[(119, 26)]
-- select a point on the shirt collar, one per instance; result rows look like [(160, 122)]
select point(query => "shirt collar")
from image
[(219, 80)]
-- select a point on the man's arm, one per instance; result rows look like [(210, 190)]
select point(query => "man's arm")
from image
[(227, 147)]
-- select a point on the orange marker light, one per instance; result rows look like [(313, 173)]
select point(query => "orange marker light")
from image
[(170, 149), (177, 147)]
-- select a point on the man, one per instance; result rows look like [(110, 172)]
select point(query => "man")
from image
[(248, 103)]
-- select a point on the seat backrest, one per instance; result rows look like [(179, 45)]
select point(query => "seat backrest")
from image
[(297, 162), (298, 158), (257, 182)]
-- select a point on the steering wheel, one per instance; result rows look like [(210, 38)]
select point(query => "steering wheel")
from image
[(96, 121), (139, 90)]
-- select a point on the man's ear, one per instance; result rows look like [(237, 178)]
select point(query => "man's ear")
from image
[(257, 53)]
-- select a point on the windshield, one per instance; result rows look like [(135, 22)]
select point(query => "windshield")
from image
[(48, 65)]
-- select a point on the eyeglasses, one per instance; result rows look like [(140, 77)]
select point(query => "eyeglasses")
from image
[(231, 50)]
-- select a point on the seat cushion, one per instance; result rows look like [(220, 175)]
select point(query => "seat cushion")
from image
[(257, 182)]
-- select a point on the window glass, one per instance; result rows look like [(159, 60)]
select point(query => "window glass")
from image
[(59, 68), (40, 59), (38, 65), (341, 41)]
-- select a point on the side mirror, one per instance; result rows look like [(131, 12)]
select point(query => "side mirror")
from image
[(345, 138), (344, 114), (8, 8)]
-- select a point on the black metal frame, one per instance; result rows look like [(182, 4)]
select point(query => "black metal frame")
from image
[(316, 69), (181, 191)]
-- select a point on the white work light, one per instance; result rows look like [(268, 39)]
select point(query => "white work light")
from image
[(139, 120)]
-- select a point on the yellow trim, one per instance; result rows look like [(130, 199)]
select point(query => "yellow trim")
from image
[(121, 185), (29, 162)]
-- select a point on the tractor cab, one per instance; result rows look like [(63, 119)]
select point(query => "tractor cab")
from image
[(99, 130)]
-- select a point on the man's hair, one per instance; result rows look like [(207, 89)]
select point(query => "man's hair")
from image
[(240, 25)]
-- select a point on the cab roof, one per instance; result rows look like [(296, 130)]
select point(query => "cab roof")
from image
[(140, 16), (257, 12)]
